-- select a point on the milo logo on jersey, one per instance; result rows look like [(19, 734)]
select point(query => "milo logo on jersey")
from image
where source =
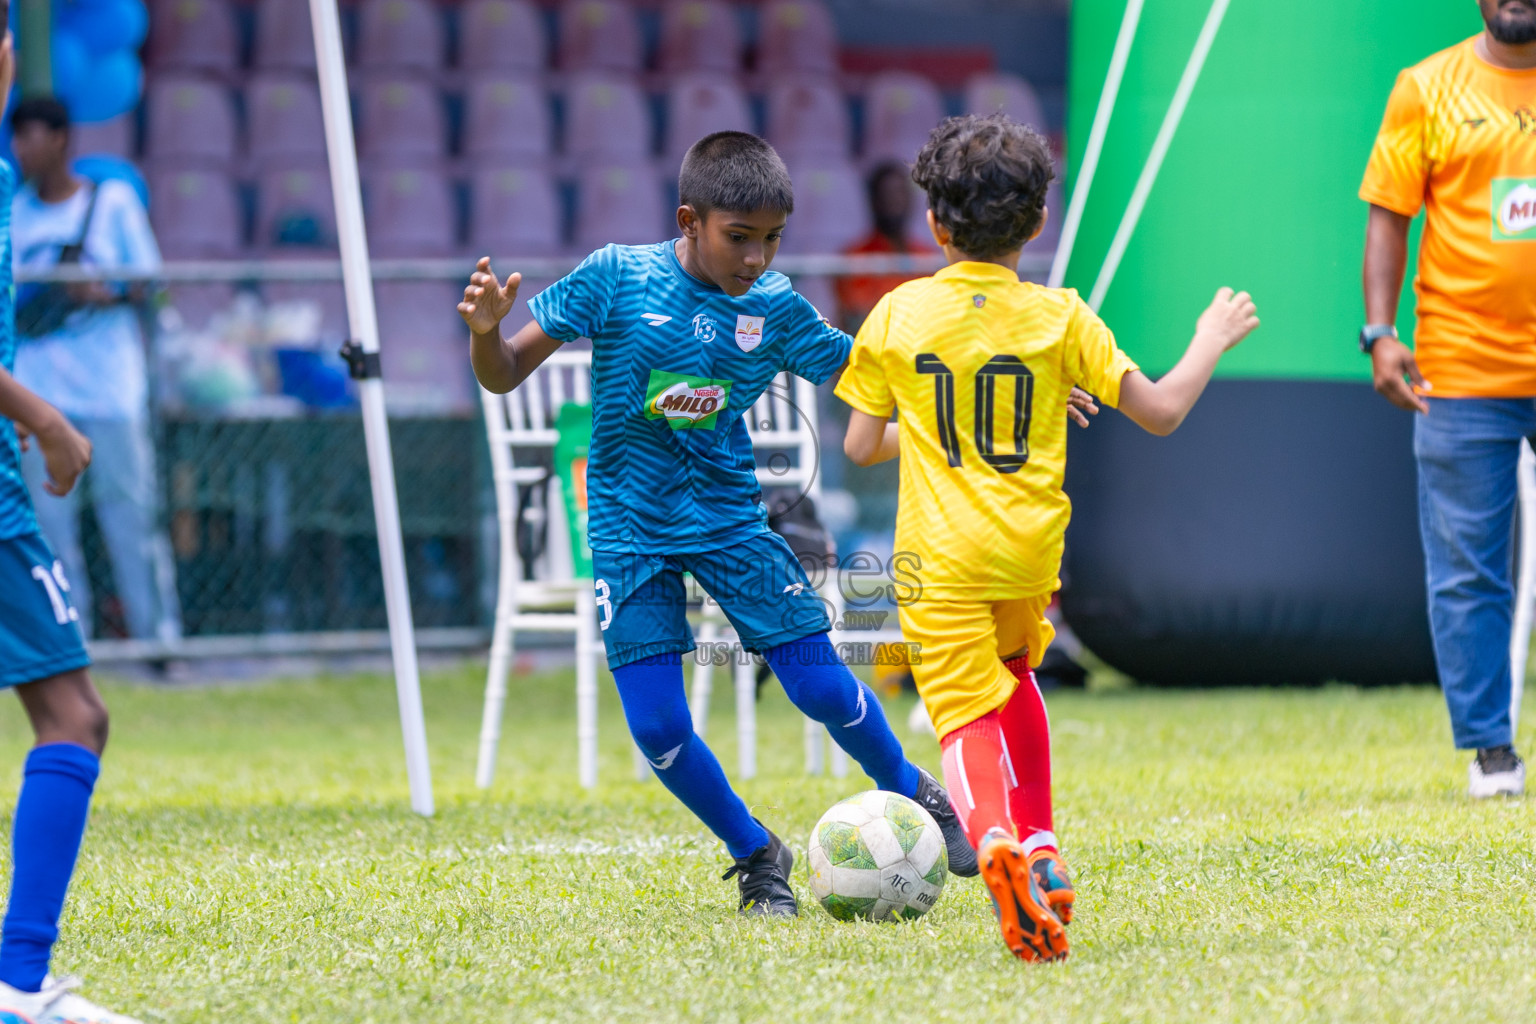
[(685, 402), (1514, 209)]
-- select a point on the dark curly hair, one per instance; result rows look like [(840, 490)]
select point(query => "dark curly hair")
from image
[(986, 179)]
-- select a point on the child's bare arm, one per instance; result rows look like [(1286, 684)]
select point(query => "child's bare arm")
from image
[(1160, 406), (500, 365), (871, 439), (65, 450)]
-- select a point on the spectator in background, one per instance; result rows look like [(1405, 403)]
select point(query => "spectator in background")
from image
[(82, 350), (890, 206)]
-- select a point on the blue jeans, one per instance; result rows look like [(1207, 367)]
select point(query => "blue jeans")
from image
[(121, 481), (1467, 450)]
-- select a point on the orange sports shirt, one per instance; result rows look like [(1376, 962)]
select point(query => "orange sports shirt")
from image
[(979, 364), (1459, 139)]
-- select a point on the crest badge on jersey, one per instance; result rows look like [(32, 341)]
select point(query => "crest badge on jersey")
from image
[(749, 332)]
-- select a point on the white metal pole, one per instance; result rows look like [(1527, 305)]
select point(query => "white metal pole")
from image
[(1525, 586), (363, 318), (1101, 118), (1159, 150)]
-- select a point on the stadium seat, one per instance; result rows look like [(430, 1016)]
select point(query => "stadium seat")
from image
[(621, 204), (502, 35), (192, 35), (410, 213), (105, 138), (606, 118), (514, 212), (422, 343), (996, 91), (796, 36), (283, 120), (402, 121), (699, 35), (900, 110), (189, 121), (399, 36), (195, 214), (599, 35), (808, 118), (700, 103), (831, 207), (284, 38), (506, 117), (295, 209)]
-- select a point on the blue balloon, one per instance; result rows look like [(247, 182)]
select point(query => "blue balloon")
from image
[(110, 87), (105, 25), (71, 63)]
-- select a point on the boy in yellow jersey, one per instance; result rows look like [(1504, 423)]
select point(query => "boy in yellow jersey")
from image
[(979, 364)]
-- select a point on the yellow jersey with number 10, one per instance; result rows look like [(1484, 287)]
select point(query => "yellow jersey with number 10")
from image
[(979, 365)]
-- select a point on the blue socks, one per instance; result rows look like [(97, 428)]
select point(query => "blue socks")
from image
[(652, 692), (50, 820), (820, 685)]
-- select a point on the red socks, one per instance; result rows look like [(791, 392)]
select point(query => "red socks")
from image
[(976, 777), (1026, 733)]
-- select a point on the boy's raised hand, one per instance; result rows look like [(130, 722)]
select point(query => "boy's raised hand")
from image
[(1229, 318), (486, 300)]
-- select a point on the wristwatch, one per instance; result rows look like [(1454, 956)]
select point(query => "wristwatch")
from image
[(1370, 334)]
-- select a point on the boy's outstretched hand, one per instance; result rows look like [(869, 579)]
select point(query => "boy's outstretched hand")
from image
[(66, 453), (1229, 318), (486, 300), (1080, 406)]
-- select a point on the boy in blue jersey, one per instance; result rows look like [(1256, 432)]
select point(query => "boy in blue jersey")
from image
[(42, 657), (686, 335)]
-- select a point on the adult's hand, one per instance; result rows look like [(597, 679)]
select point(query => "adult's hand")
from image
[(1396, 374)]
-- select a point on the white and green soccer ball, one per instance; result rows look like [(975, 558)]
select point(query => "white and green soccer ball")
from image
[(877, 856)]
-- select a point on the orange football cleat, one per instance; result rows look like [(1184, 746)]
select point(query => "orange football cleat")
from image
[(1030, 928)]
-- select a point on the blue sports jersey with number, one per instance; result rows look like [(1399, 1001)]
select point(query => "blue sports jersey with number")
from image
[(675, 363), (16, 518)]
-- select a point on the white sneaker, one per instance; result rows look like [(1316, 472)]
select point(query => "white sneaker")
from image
[(55, 1004), (1496, 771)]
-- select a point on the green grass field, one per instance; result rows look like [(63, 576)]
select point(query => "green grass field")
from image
[(1243, 856)]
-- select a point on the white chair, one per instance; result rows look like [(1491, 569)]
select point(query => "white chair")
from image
[(519, 428)]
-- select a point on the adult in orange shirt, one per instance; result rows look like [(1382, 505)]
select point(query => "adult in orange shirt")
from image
[(1459, 140), (890, 206)]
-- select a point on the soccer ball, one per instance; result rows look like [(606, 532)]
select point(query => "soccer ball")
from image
[(877, 855)]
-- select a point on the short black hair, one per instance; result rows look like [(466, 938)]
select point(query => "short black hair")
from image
[(48, 110), (734, 171), (986, 179)]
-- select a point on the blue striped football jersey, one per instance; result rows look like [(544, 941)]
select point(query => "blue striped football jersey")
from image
[(675, 364), (16, 517)]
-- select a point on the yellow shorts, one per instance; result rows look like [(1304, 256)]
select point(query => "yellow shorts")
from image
[(960, 646)]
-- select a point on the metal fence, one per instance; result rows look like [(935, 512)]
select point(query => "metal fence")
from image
[(265, 507)]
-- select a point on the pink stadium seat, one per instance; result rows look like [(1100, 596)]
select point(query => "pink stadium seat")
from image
[(195, 214), (192, 35), (294, 209), (189, 121), (599, 35), (503, 36), (699, 35), (105, 138), (996, 91), (701, 103), (606, 117), (422, 343), (831, 207), (401, 121), (399, 36), (283, 120), (621, 204), (808, 118), (796, 36), (514, 212), (410, 213), (284, 40), (506, 118), (900, 110)]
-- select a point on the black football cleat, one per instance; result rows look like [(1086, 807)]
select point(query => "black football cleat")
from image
[(934, 799), (763, 878)]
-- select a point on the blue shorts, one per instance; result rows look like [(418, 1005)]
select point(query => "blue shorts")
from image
[(760, 585), (39, 627)]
